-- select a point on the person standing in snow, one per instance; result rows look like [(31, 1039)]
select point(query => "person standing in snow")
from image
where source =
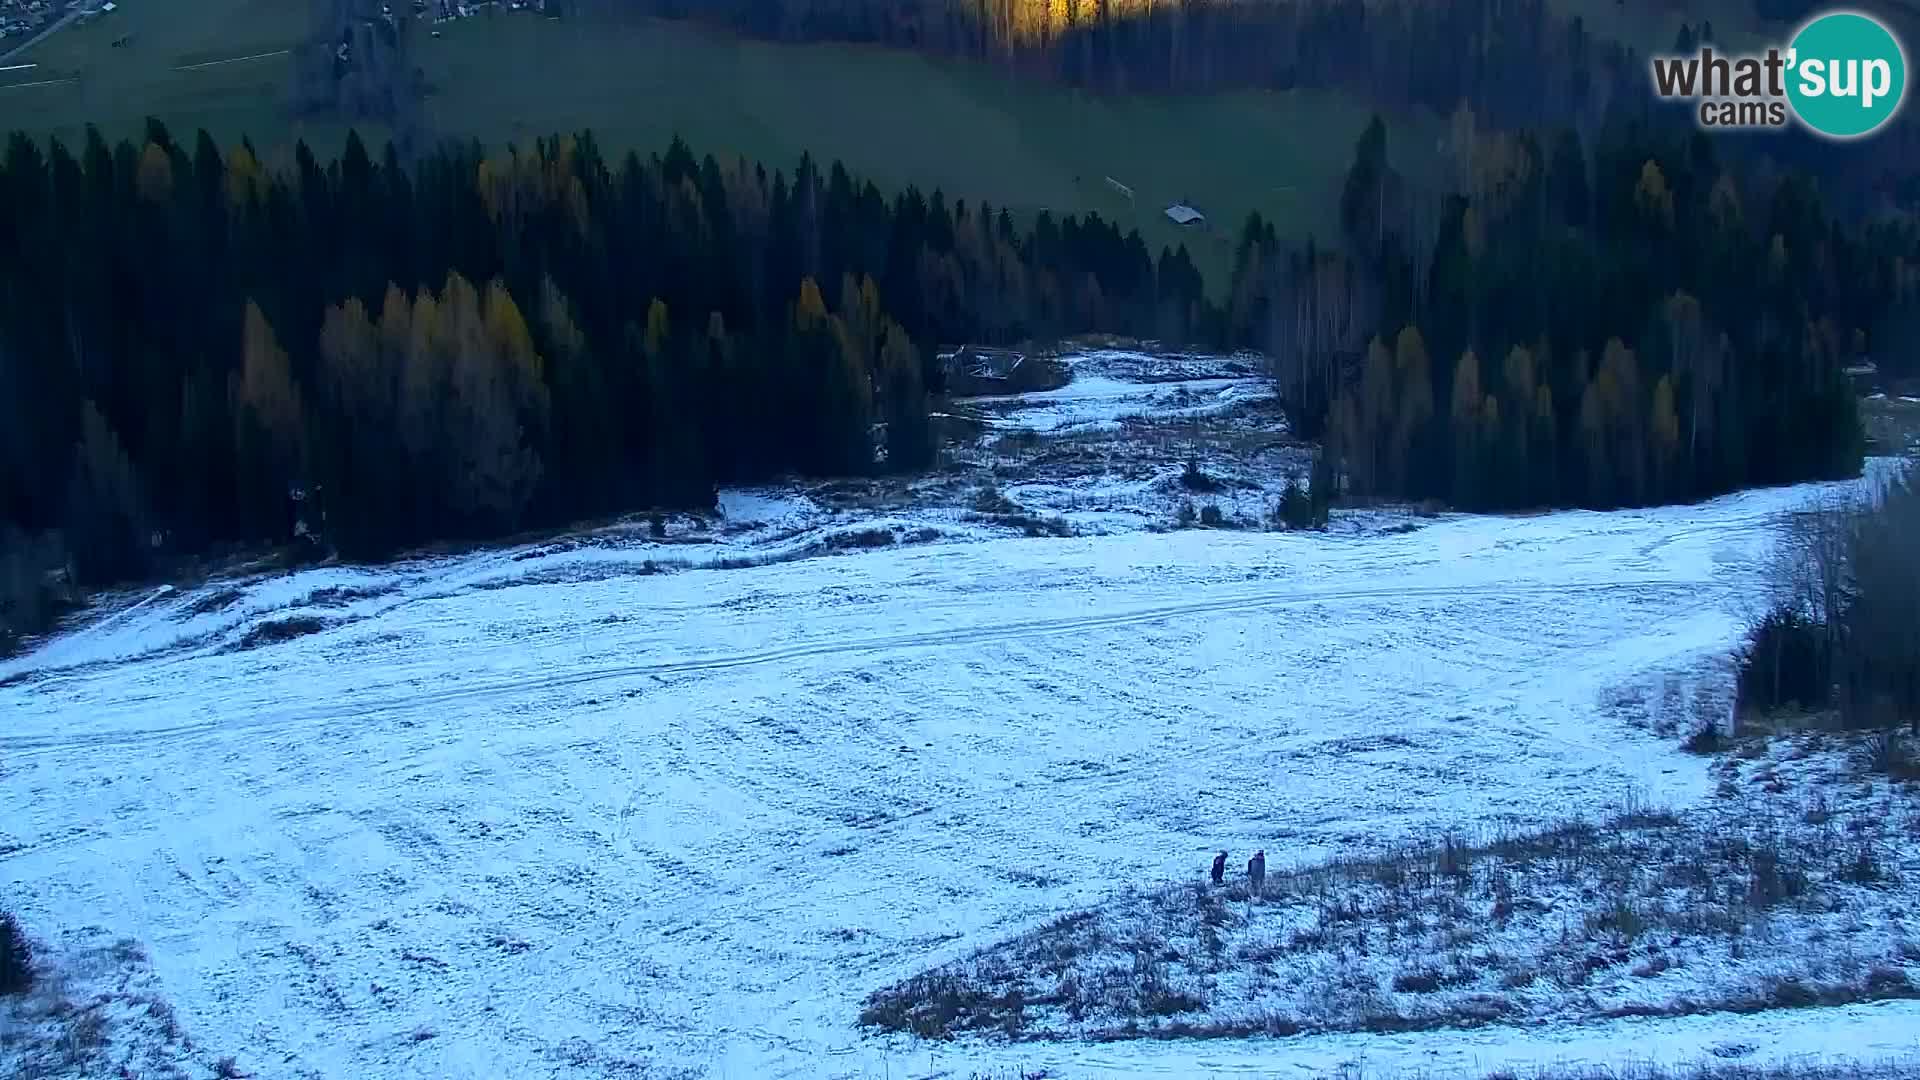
[(1219, 868), (1257, 870)]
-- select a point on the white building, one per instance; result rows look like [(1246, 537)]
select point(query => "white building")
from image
[(1183, 215)]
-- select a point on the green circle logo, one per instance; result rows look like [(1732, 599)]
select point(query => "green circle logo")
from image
[(1846, 74)]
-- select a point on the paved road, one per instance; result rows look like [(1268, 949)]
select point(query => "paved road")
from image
[(74, 11)]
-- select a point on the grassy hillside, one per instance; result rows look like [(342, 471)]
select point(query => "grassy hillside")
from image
[(901, 119), (895, 117), (80, 78)]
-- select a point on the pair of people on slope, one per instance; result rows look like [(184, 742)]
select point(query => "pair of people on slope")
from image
[(1256, 869)]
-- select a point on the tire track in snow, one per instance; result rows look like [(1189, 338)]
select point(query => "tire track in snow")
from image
[(414, 701)]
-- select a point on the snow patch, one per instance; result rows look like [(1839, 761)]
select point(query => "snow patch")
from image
[(689, 820)]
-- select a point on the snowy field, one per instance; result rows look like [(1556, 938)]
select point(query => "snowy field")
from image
[(690, 820), (1110, 387), (1108, 452), (637, 805), (1793, 886)]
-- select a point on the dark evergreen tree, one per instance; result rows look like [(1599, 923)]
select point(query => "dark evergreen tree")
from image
[(16, 957), (189, 338)]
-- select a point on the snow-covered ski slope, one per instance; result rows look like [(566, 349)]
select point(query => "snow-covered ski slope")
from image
[(691, 819)]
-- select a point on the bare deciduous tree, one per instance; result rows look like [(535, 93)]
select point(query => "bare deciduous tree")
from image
[(1847, 573), (1880, 672)]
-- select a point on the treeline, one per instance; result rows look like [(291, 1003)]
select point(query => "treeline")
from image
[(1633, 325), (196, 349)]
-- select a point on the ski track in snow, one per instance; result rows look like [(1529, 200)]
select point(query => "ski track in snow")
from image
[(692, 819)]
